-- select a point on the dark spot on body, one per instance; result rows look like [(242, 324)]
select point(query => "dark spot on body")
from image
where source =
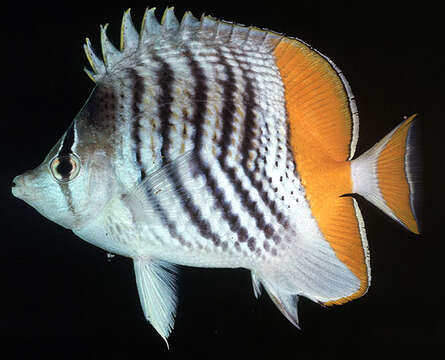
[(268, 231), (276, 239), (251, 244), (242, 234)]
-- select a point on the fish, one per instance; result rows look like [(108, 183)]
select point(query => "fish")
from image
[(211, 144)]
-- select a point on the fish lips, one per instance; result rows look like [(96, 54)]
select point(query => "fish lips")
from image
[(17, 187)]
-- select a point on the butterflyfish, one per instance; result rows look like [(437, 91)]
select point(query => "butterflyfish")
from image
[(210, 144)]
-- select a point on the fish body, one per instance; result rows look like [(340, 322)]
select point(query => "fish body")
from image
[(210, 144)]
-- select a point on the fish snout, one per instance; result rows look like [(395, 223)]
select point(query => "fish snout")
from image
[(17, 186)]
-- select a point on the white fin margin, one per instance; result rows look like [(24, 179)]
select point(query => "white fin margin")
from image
[(363, 237), (156, 282)]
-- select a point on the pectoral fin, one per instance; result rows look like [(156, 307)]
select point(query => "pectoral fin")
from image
[(157, 191), (156, 282)]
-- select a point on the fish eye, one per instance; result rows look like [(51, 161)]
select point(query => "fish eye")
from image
[(65, 168)]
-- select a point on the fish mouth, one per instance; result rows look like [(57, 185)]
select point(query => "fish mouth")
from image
[(17, 187)]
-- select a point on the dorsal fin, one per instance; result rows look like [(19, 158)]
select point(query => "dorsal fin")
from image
[(150, 26), (110, 54), (130, 40), (169, 21), (97, 64), (129, 35), (227, 32), (208, 28), (188, 22), (318, 98)]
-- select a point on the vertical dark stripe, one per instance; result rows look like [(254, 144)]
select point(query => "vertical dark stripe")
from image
[(65, 150), (228, 110), (198, 120), (250, 125), (66, 191), (138, 94), (68, 141), (227, 114), (165, 81)]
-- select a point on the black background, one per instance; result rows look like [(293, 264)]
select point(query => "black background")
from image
[(62, 298)]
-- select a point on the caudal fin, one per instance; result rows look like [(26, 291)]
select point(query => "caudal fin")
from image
[(389, 175)]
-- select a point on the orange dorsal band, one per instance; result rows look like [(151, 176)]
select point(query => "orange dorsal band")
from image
[(316, 97), (320, 125)]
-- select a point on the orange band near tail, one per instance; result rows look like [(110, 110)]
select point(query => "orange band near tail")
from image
[(394, 172), (320, 124)]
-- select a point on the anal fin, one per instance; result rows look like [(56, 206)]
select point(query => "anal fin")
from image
[(156, 282), (256, 284), (285, 302)]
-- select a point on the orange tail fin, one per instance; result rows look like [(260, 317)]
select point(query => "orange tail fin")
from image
[(388, 175)]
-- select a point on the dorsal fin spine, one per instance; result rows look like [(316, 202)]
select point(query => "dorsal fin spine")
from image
[(90, 74), (110, 54), (169, 21), (129, 35), (207, 27), (188, 21), (150, 25), (255, 32), (271, 40), (239, 35), (224, 30), (97, 65)]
